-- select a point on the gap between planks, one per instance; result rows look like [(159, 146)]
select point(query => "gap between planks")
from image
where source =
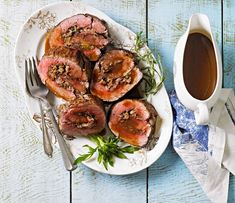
[(222, 34), (147, 170)]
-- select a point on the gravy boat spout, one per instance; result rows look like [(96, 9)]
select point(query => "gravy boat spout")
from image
[(198, 68)]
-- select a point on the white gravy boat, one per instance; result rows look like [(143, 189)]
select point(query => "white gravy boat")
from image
[(198, 23)]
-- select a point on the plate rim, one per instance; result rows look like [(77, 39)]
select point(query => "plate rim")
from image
[(21, 32)]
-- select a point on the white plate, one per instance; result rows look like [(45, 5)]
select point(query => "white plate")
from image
[(30, 42)]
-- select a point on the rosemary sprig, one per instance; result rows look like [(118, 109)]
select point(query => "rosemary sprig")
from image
[(107, 149), (149, 71)]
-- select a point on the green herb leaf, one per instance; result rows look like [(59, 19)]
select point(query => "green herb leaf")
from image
[(91, 149), (149, 70), (107, 149), (129, 149), (101, 141), (121, 155), (111, 160), (82, 158), (95, 140), (100, 156), (105, 164)]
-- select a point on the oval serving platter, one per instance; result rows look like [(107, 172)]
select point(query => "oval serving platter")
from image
[(31, 42)]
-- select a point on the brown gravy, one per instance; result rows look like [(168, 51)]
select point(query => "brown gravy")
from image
[(47, 44), (199, 66)]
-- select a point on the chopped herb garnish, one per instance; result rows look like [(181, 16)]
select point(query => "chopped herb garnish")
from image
[(107, 148)]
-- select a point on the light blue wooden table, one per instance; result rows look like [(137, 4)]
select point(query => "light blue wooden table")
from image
[(27, 175)]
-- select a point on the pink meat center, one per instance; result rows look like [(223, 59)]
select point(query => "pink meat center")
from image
[(130, 121), (66, 77)]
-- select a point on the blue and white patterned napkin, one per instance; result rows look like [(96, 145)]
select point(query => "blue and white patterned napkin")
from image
[(208, 151)]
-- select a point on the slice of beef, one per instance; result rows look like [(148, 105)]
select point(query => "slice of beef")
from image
[(133, 121), (65, 72), (84, 32), (115, 74), (81, 117)]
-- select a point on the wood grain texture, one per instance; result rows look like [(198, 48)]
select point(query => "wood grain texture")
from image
[(169, 179), (229, 43), (26, 174), (88, 185), (229, 63), (168, 20)]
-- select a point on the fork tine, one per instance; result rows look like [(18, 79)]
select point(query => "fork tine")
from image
[(26, 76), (34, 82), (36, 72), (28, 83)]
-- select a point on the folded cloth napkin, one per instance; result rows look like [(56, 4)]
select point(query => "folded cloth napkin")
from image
[(208, 151)]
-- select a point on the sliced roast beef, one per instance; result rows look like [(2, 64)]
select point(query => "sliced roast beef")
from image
[(133, 121), (84, 32), (114, 75), (83, 116), (64, 72)]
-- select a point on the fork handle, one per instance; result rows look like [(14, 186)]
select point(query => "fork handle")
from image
[(66, 153), (46, 140)]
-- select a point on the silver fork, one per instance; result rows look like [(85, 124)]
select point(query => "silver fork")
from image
[(32, 83), (37, 90)]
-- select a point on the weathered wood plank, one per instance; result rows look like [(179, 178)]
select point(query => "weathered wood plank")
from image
[(26, 174), (169, 179), (88, 185), (229, 62), (168, 20), (229, 43)]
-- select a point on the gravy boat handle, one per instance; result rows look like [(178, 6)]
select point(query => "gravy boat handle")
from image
[(202, 114)]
